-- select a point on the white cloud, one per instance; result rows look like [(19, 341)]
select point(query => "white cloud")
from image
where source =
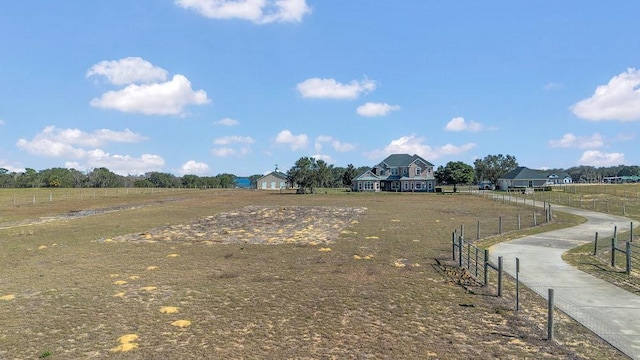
[(71, 144), (54, 142), (119, 164), (325, 158), (618, 100), (257, 11), (167, 98), (376, 109), (336, 144), (570, 140), (460, 124), (331, 89), (228, 151), (415, 145), (599, 158), (295, 142), (12, 169), (226, 122), (553, 86), (128, 71), (227, 140), (193, 167)]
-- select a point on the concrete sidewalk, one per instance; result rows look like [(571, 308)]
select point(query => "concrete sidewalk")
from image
[(609, 311)]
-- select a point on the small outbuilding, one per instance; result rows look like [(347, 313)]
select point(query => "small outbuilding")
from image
[(274, 180), (522, 178)]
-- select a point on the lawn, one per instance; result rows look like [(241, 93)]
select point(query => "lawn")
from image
[(207, 274)]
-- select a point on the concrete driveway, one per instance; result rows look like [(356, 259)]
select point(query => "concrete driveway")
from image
[(609, 311)]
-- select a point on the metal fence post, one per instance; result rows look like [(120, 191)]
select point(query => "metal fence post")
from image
[(550, 316), (519, 227), (500, 225), (453, 244), (628, 253), (517, 284), (486, 267), (595, 245), (500, 276), (613, 252), (460, 242), (478, 231)]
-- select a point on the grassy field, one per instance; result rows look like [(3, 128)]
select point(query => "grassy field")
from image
[(178, 274)]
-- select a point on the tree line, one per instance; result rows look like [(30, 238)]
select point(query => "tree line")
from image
[(307, 173)]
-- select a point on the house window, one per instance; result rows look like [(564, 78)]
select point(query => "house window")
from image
[(395, 185), (264, 184), (368, 185), (377, 186), (418, 170), (394, 171), (381, 172), (359, 185), (404, 171), (406, 186), (418, 186)]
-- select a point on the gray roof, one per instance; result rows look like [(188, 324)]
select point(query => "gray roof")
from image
[(397, 160), (524, 173), (277, 174)]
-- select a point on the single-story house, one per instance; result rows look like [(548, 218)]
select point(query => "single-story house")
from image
[(398, 172), (523, 178), (274, 180)]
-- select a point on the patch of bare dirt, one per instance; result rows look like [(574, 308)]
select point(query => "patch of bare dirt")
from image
[(258, 225)]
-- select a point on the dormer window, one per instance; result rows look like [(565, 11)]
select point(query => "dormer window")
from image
[(404, 171), (418, 171), (394, 171)]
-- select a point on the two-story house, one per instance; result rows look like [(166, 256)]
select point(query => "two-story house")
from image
[(398, 172)]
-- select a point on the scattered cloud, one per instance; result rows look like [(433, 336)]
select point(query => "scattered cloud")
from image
[(80, 148), (226, 122), (460, 124), (625, 137), (167, 98), (128, 71), (331, 89), (55, 142), (193, 167), (599, 158), (295, 142), (336, 144), (225, 149), (371, 109), (119, 164), (618, 100), (326, 158), (148, 91), (415, 145), (553, 86), (12, 169), (570, 140), (227, 140), (256, 11)]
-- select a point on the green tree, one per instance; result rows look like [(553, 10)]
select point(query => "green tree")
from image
[(253, 179), (104, 178), (348, 175), (163, 180), (492, 167), (303, 173), (226, 181), (454, 173), (322, 173), (28, 178)]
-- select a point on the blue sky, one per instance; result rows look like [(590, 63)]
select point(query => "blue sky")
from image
[(218, 86)]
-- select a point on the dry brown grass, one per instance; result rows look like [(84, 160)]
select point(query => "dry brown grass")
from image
[(376, 292)]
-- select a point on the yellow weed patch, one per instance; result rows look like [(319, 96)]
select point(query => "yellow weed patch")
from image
[(127, 343), (120, 282), (120, 294), (399, 264), (150, 268), (173, 255), (181, 323), (357, 257), (169, 310), (324, 249), (368, 257), (134, 277), (108, 240), (372, 237), (148, 288), (7, 297), (42, 247), (114, 275)]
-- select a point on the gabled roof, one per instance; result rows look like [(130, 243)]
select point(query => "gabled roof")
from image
[(402, 160), (524, 173), (278, 174), (367, 175)]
